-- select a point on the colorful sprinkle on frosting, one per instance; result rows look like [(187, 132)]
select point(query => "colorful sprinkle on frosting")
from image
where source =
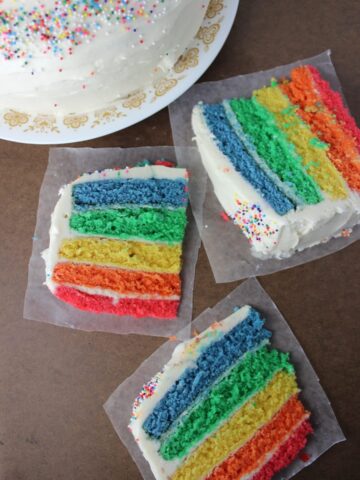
[(252, 221), (67, 24)]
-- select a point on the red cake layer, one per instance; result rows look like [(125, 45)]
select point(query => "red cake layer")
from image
[(286, 453), (165, 309), (335, 104)]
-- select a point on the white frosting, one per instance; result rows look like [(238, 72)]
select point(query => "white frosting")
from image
[(118, 296), (60, 228), (120, 59), (299, 229), (183, 357)]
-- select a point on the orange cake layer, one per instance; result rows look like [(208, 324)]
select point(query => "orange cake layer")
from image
[(253, 454), (343, 152), (118, 280)]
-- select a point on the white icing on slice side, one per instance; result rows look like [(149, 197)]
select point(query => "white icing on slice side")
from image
[(114, 295)]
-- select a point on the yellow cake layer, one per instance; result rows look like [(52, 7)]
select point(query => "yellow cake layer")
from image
[(239, 428), (146, 257), (308, 146)]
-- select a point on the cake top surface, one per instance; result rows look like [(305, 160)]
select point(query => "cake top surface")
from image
[(57, 27)]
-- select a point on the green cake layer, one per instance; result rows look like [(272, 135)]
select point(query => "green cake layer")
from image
[(152, 224), (272, 145), (248, 377)]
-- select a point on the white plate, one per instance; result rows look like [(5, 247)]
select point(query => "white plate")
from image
[(21, 127)]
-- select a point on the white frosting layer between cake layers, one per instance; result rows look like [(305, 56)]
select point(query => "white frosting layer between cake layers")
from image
[(183, 357), (122, 57), (299, 229), (60, 228)]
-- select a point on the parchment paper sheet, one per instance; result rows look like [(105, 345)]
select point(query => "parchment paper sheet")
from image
[(65, 165), (327, 431), (227, 248)]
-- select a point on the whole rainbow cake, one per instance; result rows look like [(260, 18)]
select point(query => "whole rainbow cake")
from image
[(225, 407), (76, 56), (116, 241), (285, 163)]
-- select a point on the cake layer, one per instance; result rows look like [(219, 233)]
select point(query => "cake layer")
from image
[(335, 104), (252, 455), (124, 254), (286, 453), (343, 150), (238, 429), (216, 358), (229, 144), (151, 224), (250, 147), (120, 281), (131, 191), (313, 153), (163, 309), (274, 148), (249, 376)]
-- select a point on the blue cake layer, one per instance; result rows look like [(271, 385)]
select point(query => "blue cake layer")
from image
[(250, 147), (132, 191), (230, 144), (210, 365)]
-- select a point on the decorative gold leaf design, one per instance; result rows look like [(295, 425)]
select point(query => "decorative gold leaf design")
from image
[(189, 60), (44, 124), (135, 100), (163, 85), (14, 118), (106, 115), (75, 121), (215, 6), (208, 34)]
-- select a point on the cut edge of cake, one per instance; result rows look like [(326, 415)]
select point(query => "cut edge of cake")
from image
[(265, 206), (104, 272), (183, 362)]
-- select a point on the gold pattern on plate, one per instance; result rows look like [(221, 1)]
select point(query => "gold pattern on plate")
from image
[(75, 121), (14, 118), (208, 34), (43, 124), (164, 85), (106, 115), (215, 6), (135, 100), (189, 60)]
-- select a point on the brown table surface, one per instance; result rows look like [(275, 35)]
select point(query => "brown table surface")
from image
[(54, 381)]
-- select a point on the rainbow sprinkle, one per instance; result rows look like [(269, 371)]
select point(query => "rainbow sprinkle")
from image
[(147, 391), (252, 221), (68, 24)]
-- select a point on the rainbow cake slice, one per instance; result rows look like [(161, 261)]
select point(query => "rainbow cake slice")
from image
[(285, 163), (116, 241), (225, 407)]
